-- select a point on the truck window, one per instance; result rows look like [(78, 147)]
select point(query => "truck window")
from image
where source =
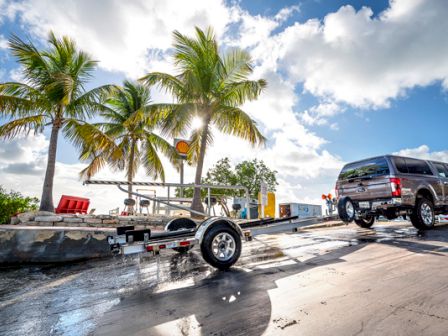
[(400, 163), (418, 167), (367, 168), (441, 170)]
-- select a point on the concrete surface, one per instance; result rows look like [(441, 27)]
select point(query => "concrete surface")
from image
[(391, 280), (40, 244)]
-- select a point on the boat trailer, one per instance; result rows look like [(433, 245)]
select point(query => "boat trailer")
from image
[(220, 238)]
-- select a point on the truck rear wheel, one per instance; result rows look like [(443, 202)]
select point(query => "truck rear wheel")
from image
[(346, 210), (365, 223), (221, 246), (423, 215)]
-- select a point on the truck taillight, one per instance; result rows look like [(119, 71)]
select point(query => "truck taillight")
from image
[(395, 184)]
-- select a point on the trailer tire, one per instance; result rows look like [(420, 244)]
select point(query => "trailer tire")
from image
[(346, 209), (221, 246), (365, 223), (179, 224)]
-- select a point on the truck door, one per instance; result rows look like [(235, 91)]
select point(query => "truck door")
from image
[(442, 174)]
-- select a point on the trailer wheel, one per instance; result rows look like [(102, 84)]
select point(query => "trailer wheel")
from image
[(346, 210), (181, 224), (221, 246)]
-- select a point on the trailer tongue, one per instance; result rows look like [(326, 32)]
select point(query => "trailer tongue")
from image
[(219, 238)]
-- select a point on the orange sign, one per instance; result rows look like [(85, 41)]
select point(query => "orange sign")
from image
[(182, 146)]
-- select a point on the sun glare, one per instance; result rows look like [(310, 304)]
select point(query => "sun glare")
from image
[(196, 123)]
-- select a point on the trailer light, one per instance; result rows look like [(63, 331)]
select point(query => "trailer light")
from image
[(162, 246), (184, 243), (149, 248), (395, 184)]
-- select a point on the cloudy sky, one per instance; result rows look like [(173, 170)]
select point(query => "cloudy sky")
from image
[(346, 80)]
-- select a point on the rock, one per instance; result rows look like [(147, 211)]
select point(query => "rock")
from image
[(53, 218), (30, 215), (73, 220), (39, 224), (93, 220), (106, 217), (15, 220), (110, 221)]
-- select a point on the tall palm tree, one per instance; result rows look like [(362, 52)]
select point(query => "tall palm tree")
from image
[(211, 86), (131, 120), (51, 94)]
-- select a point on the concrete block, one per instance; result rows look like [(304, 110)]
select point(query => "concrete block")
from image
[(53, 218)]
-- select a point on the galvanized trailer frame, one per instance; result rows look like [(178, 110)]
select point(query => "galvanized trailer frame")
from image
[(219, 237)]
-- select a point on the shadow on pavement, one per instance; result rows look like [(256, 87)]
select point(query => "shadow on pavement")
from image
[(235, 302)]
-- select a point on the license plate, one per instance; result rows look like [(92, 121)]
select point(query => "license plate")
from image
[(170, 245), (364, 205)]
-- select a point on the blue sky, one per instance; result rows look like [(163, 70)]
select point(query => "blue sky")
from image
[(347, 79)]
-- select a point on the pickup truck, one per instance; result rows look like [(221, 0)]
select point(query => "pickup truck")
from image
[(392, 186)]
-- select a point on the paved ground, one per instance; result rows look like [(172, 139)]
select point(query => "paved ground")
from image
[(331, 281)]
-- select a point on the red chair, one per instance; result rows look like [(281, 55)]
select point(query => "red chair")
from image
[(72, 205)]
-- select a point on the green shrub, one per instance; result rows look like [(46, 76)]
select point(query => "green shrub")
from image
[(14, 202)]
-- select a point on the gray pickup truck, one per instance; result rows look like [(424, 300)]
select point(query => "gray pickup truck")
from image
[(392, 186)]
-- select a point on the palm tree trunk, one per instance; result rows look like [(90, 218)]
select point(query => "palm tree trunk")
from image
[(197, 203), (131, 173), (46, 202)]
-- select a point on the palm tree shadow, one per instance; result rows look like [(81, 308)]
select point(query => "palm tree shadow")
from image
[(225, 303)]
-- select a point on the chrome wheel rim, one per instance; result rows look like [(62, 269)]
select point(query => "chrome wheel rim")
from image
[(349, 209), (426, 213), (223, 246)]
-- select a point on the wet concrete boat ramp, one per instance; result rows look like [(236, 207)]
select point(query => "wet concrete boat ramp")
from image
[(329, 281)]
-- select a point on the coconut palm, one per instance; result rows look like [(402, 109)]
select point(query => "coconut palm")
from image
[(131, 120), (211, 86), (52, 94)]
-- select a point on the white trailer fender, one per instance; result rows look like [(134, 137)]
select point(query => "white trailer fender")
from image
[(205, 225)]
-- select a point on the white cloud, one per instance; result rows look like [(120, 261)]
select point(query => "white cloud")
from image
[(366, 61), (3, 42), (120, 33), (424, 152), (319, 114)]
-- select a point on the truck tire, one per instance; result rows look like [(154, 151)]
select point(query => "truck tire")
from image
[(180, 224), (365, 223), (423, 217), (221, 246), (346, 210)]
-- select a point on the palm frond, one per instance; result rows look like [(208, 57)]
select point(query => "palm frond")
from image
[(234, 121), (22, 126), (151, 161), (239, 92)]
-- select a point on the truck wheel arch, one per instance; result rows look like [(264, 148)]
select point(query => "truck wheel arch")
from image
[(426, 193)]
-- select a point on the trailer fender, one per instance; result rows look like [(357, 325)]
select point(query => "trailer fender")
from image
[(208, 223)]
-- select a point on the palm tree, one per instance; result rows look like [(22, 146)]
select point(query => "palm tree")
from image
[(211, 86), (131, 121), (51, 94)]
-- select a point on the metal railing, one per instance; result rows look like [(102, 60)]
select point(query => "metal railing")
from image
[(169, 203)]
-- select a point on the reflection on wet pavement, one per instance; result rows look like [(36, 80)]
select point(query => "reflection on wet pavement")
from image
[(71, 299)]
